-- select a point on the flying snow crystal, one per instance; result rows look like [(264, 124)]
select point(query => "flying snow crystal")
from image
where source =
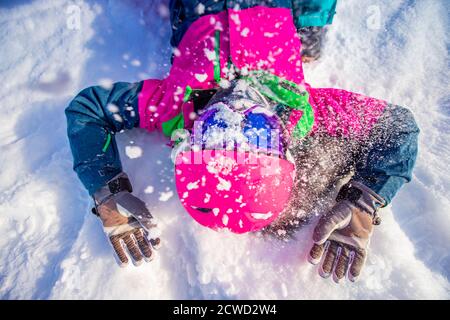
[(106, 83), (133, 152), (163, 11), (235, 18), (112, 108), (224, 83), (241, 223), (185, 194), (261, 216), (221, 164), (218, 26), (117, 117), (207, 198), (136, 63), (176, 52), (179, 91), (149, 190), (245, 32), (216, 211), (244, 71), (200, 9), (223, 185), (216, 137), (278, 52), (230, 73), (210, 54), (201, 77), (176, 98), (192, 116), (164, 196), (293, 57), (225, 219), (193, 185), (269, 34)]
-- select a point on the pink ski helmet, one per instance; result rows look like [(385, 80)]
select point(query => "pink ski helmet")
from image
[(235, 173)]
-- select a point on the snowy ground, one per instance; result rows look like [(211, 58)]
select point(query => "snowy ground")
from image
[(52, 247)]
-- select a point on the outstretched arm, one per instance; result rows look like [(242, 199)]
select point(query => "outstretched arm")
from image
[(392, 151), (93, 117), (387, 138)]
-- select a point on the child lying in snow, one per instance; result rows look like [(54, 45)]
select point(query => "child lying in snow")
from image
[(256, 147)]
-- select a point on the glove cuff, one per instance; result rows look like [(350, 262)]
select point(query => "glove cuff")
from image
[(361, 196), (119, 183)]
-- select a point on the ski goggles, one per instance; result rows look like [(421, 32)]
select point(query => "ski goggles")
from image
[(254, 129)]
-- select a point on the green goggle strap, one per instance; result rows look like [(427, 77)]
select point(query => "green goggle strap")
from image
[(287, 93)]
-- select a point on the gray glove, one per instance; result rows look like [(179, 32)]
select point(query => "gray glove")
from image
[(126, 221), (342, 235)]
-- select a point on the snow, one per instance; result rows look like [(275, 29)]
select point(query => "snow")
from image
[(216, 136), (225, 219), (149, 189), (52, 247), (223, 184), (193, 185), (136, 63), (133, 152), (262, 216), (220, 164), (245, 32), (200, 9), (201, 77), (210, 54), (165, 196)]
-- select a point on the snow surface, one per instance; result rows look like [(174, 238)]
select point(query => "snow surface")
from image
[(53, 247)]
